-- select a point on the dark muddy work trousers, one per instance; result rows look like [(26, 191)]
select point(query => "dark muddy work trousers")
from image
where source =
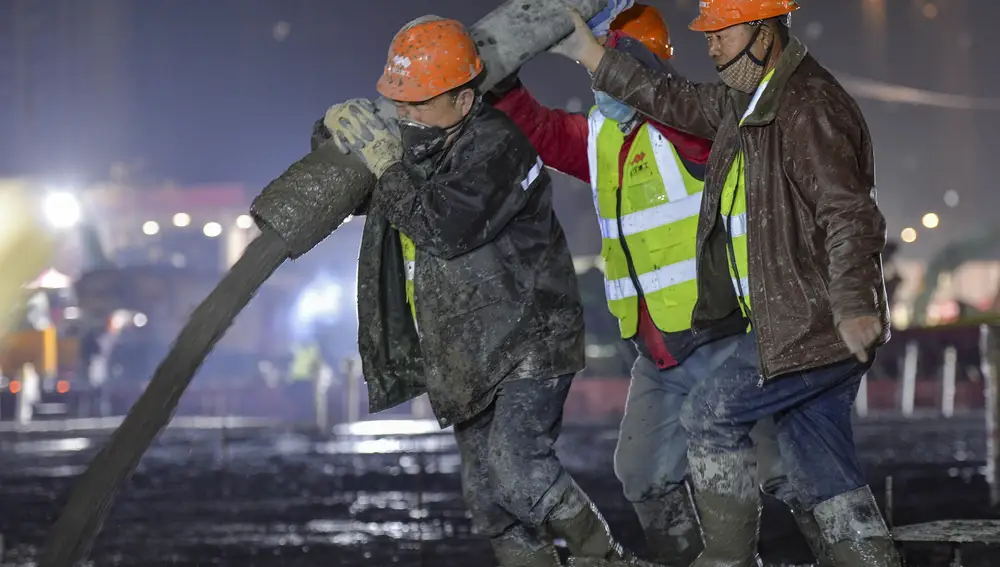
[(511, 476), (651, 457), (812, 414)]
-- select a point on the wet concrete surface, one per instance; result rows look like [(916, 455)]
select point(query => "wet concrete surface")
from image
[(388, 493)]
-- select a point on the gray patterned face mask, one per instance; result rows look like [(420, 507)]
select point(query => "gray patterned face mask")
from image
[(744, 72)]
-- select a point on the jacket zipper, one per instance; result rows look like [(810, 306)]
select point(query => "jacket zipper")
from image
[(746, 192)]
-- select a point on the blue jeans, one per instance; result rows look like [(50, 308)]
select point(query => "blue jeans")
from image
[(812, 412), (651, 456)]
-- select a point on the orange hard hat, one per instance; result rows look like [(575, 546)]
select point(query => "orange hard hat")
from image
[(645, 24), (429, 57), (715, 15)]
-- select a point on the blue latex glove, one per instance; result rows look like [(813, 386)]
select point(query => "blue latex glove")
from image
[(601, 23)]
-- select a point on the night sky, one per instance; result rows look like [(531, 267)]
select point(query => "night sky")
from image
[(197, 91)]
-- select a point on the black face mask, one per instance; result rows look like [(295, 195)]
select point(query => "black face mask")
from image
[(422, 142)]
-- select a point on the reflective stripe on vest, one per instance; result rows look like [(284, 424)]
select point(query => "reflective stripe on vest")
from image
[(733, 208), (658, 223), (410, 265)]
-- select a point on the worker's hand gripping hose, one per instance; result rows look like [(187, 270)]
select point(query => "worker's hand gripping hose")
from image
[(295, 212)]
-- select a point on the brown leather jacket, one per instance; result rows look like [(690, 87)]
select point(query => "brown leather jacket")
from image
[(815, 234)]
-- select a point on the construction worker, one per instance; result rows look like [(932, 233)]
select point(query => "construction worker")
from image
[(790, 235), (467, 291), (647, 208)]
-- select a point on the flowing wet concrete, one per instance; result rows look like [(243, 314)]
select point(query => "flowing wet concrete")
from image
[(388, 493)]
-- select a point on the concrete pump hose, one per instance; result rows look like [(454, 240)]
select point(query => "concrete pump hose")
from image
[(295, 212), (83, 515), (517, 31), (311, 189)]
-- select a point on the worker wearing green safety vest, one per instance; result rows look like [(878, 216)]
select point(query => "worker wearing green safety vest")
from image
[(306, 361), (790, 218), (648, 226), (461, 241), (647, 182)]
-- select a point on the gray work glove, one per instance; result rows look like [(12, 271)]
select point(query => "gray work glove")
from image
[(357, 127)]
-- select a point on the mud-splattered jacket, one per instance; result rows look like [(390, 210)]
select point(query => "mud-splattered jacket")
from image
[(496, 290), (815, 233)]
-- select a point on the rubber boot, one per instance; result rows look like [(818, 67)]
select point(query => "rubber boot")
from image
[(577, 521), (730, 527), (810, 530), (852, 526), (515, 550), (673, 536)]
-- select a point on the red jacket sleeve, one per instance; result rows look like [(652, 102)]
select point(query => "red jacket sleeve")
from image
[(559, 137)]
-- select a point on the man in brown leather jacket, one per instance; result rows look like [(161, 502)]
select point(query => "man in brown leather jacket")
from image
[(791, 236)]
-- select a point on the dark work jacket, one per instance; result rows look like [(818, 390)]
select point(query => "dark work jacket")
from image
[(496, 291)]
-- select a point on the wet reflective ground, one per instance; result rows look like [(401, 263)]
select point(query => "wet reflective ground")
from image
[(389, 494)]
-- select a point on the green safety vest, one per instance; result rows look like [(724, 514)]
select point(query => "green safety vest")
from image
[(656, 229), (305, 363), (409, 264), (733, 208)]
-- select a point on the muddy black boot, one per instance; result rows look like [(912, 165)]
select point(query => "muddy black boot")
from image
[(673, 536), (729, 526), (577, 521), (514, 550), (810, 530), (852, 526)]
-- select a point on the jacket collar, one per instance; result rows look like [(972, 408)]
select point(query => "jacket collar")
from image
[(767, 107)]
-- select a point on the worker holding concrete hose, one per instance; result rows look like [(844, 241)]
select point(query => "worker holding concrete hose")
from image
[(467, 291), (647, 182), (790, 235)]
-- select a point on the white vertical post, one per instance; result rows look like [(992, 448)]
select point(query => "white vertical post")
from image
[(948, 377), (910, 378), (30, 394), (861, 402), (353, 390), (321, 400), (988, 366), (889, 502)]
